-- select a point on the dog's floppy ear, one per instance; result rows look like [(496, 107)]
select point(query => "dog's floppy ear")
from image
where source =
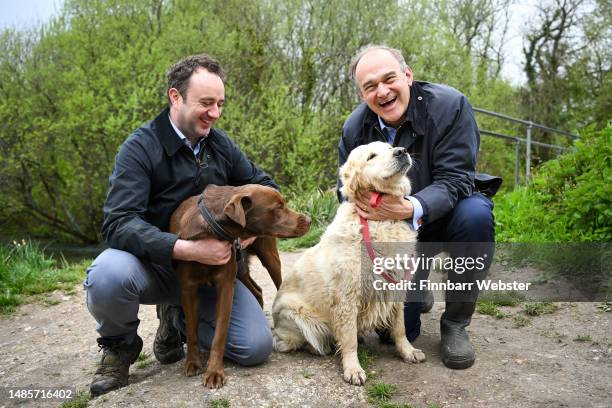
[(237, 206), (350, 175)]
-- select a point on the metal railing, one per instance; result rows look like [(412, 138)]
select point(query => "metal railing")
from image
[(527, 141)]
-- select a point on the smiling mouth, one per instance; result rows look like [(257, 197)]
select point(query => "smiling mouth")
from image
[(387, 103)]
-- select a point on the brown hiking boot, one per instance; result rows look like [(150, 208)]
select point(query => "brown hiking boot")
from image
[(114, 367), (168, 344)]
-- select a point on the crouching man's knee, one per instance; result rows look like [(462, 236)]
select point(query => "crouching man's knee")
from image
[(256, 348)]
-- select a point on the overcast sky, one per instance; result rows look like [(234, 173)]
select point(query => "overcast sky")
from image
[(27, 13)]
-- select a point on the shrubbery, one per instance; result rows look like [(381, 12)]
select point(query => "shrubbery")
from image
[(568, 200)]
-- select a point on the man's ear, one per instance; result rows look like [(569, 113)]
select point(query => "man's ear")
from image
[(409, 76), (235, 209)]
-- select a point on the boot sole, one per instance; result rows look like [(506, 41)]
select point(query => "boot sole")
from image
[(458, 364)]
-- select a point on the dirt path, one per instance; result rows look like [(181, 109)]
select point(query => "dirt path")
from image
[(540, 365)]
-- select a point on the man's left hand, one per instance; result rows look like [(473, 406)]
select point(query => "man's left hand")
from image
[(389, 208)]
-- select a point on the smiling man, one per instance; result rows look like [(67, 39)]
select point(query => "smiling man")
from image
[(437, 126), (167, 160)]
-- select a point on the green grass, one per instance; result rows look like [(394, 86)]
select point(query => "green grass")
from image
[(80, 400), (26, 270), (488, 307), (381, 392), (321, 207), (144, 360), (605, 307), (219, 403), (539, 308), (365, 357), (521, 321), (583, 338)]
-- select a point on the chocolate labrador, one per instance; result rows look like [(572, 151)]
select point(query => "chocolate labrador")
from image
[(228, 213)]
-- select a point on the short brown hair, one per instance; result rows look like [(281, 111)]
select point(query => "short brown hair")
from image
[(179, 73), (371, 47)]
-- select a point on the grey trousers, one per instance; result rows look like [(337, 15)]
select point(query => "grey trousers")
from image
[(118, 283)]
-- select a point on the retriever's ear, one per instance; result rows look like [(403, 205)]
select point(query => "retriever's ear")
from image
[(350, 174), (236, 207)]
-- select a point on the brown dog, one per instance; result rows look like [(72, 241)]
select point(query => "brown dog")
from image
[(233, 212)]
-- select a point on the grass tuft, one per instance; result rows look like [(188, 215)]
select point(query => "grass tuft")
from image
[(539, 308), (80, 400), (219, 403), (381, 392)]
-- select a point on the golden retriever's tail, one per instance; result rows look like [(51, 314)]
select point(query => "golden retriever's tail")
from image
[(292, 329)]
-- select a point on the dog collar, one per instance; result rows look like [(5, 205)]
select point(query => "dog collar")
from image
[(214, 225)]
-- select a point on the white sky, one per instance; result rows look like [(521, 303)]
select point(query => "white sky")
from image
[(28, 13)]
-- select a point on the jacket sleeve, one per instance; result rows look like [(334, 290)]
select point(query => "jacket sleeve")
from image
[(344, 148), (124, 224), (454, 164), (243, 171)]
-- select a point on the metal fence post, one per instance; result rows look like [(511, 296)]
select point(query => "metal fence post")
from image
[(517, 145), (528, 154)]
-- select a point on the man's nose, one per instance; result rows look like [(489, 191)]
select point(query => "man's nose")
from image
[(214, 112), (382, 90)]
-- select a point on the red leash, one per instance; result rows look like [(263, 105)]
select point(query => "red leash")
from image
[(367, 240)]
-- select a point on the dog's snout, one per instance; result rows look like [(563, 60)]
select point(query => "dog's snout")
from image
[(399, 151)]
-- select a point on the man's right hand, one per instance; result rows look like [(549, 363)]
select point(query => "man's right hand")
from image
[(208, 251)]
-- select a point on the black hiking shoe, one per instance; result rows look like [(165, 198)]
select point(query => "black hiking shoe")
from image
[(168, 344), (114, 367)]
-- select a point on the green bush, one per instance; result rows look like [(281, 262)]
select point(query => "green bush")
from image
[(568, 200)]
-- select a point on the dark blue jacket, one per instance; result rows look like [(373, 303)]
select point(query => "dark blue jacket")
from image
[(440, 133), (154, 172)]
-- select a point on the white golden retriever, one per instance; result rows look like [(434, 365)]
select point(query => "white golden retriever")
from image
[(326, 301)]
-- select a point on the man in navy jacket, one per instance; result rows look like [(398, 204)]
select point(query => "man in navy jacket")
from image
[(161, 164), (437, 126)]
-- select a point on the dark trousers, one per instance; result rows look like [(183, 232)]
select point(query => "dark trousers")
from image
[(471, 221)]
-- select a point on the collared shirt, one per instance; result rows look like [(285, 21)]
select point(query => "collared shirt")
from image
[(417, 214), (198, 146)]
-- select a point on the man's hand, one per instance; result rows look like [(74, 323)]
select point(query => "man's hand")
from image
[(208, 251), (389, 208)]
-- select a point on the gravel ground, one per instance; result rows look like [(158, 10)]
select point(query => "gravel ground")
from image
[(539, 365)]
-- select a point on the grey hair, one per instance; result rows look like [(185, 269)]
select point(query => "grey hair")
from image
[(397, 54)]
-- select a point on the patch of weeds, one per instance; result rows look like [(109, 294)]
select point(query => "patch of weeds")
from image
[(51, 302), (392, 405), (488, 307), (583, 338), (365, 357), (379, 392), (605, 307), (521, 321), (80, 400), (539, 308), (553, 334), (219, 403), (505, 298), (143, 360), (307, 374)]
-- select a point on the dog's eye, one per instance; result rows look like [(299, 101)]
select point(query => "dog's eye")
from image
[(371, 156)]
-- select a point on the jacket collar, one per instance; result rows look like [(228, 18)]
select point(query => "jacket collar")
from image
[(415, 114), (168, 137), (166, 134)]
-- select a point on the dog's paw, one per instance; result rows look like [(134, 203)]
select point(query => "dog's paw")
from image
[(413, 356), (280, 346), (193, 367), (213, 379), (355, 376)]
